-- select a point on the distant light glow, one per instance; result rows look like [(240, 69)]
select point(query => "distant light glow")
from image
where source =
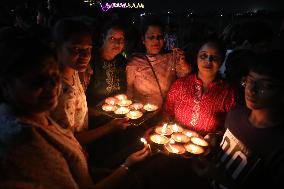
[(106, 6), (92, 2)]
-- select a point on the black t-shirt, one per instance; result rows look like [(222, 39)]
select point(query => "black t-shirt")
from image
[(251, 156)]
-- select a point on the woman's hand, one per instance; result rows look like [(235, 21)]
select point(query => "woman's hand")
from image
[(179, 59), (137, 156), (179, 55), (119, 123)]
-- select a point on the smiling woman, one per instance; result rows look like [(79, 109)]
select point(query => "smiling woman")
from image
[(30, 85), (201, 100), (109, 65), (73, 40)]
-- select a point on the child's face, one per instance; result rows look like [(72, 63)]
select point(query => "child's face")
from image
[(76, 52), (261, 91), (36, 91)]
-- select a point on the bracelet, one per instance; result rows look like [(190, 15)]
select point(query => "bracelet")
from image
[(125, 167)]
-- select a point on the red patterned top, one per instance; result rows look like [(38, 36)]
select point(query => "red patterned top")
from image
[(204, 112)]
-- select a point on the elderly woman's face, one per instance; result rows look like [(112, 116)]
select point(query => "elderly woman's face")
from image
[(209, 59), (153, 40), (36, 91)]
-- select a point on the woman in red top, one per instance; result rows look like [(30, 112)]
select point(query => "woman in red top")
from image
[(201, 100)]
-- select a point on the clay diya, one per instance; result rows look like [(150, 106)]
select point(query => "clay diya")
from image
[(111, 100), (108, 107), (199, 141), (159, 139), (179, 137), (150, 107), (175, 148), (193, 148), (121, 110), (163, 130), (136, 106), (134, 114)]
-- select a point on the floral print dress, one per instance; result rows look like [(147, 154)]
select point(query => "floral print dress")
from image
[(72, 110)]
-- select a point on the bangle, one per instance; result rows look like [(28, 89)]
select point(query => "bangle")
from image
[(125, 167)]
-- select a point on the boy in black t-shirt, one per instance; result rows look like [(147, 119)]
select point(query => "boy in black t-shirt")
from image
[(252, 148)]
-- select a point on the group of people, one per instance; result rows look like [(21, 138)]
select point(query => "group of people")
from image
[(49, 93)]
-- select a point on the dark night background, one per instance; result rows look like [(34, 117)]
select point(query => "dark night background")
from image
[(215, 5), (186, 5)]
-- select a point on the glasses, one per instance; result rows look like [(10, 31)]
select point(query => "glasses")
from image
[(116, 40), (152, 37), (210, 58), (259, 86)]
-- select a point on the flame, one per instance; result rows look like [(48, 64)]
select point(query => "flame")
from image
[(164, 128), (148, 106), (173, 149), (158, 140), (112, 102), (172, 141), (175, 128), (143, 140), (199, 141), (179, 138), (189, 134), (193, 149), (123, 102), (121, 97)]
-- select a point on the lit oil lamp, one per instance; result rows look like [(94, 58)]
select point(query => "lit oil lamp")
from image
[(190, 133), (159, 139), (175, 148), (163, 130), (194, 149), (121, 110), (150, 107), (179, 137), (199, 141), (121, 97), (172, 141), (124, 102), (136, 106), (135, 114), (108, 107), (145, 143), (111, 100), (175, 128)]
